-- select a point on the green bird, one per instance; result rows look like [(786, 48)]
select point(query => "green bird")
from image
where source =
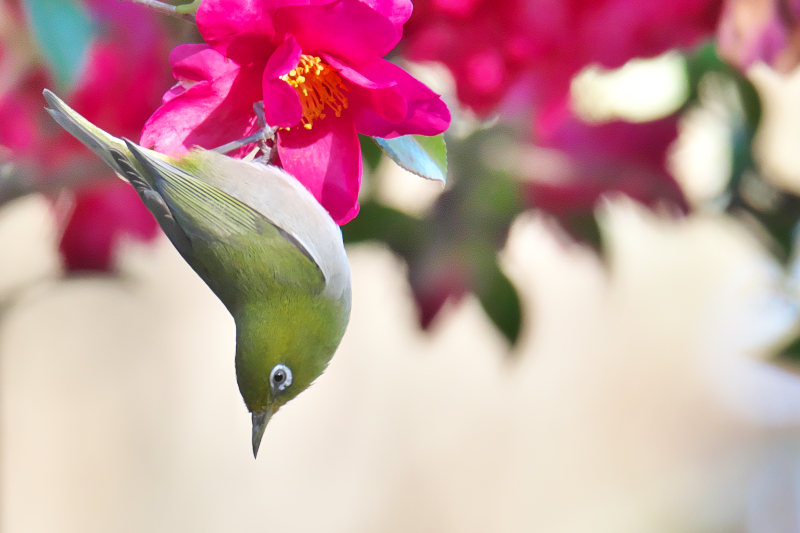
[(260, 241)]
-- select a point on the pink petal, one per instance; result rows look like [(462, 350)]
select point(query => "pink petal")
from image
[(494, 48), (125, 74), (285, 57), (380, 95), (462, 44), (327, 161), (18, 110), (239, 29), (126, 24), (406, 107), (197, 62), (437, 282), (209, 113), (192, 63), (377, 79), (751, 32), (282, 106), (397, 11), (176, 90), (102, 215), (619, 157), (121, 84), (345, 28)]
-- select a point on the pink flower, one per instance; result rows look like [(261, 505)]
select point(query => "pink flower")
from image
[(761, 30), (616, 157), (119, 88), (318, 68), (432, 285), (493, 47), (101, 215)]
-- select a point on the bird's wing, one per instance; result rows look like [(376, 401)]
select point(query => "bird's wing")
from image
[(276, 197), (211, 216), (100, 142), (153, 200), (283, 200), (116, 154)]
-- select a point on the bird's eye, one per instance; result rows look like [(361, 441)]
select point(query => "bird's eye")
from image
[(280, 378)]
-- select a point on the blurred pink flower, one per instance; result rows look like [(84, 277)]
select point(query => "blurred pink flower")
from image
[(319, 70), (19, 114), (761, 30), (101, 214), (119, 88), (493, 46), (449, 278), (615, 157)]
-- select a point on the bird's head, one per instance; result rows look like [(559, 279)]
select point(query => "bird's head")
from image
[(280, 351)]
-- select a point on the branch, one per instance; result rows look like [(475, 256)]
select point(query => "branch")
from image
[(169, 9)]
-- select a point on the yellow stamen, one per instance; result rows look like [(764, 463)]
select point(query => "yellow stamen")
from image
[(319, 86)]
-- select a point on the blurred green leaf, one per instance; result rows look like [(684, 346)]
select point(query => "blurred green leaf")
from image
[(792, 351), (584, 228), (705, 59), (376, 222), (424, 156), (453, 248), (64, 32), (501, 302), (370, 151), (776, 211)]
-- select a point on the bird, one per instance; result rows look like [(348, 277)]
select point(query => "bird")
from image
[(260, 241)]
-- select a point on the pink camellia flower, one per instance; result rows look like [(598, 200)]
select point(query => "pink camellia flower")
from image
[(616, 157), (493, 48), (761, 30), (101, 214), (433, 285), (118, 89), (319, 69)]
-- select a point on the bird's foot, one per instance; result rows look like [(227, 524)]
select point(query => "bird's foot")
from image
[(265, 137)]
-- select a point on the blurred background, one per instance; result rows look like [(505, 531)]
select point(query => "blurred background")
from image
[(592, 327)]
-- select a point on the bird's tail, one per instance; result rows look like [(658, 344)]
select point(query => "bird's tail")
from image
[(100, 142), (131, 163)]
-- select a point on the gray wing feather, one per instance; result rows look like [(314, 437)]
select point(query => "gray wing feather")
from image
[(154, 202), (285, 203), (100, 142), (279, 197)]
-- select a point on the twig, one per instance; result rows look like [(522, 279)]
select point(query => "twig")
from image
[(167, 9), (250, 139), (23, 178), (267, 141), (265, 137)]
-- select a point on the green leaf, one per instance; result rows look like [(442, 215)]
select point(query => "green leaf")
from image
[(791, 351), (583, 227), (773, 213), (424, 156), (370, 151), (188, 8), (705, 59), (64, 31), (377, 222), (501, 302)]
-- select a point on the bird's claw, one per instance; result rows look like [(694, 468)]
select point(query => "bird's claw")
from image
[(265, 137)]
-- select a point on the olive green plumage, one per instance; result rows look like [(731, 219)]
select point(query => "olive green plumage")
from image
[(260, 241)]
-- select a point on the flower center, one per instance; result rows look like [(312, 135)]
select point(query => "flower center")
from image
[(319, 86)]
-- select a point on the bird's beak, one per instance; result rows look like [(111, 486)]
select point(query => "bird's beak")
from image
[(260, 420)]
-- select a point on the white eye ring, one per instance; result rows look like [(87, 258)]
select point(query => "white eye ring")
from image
[(280, 378)]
